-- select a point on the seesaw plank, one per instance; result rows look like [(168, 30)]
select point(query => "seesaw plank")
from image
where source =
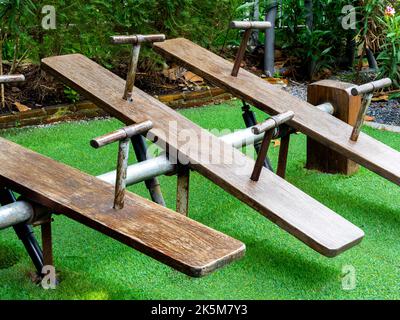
[(163, 234), (291, 209), (316, 124)]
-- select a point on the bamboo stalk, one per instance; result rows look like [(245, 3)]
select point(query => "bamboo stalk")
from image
[(16, 51)]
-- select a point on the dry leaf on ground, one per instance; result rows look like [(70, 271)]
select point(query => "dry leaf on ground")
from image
[(191, 77), (21, 107), (174, 73), (369, 118), (383, 97)]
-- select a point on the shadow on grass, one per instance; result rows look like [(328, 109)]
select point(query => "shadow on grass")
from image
[(369, 207), (10, 255), (290, 266), (263, 264)]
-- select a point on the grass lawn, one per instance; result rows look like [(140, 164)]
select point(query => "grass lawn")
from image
[(276, 265)]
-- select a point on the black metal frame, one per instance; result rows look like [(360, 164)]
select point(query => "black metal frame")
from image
[(153, 185), (282, 131), (25, 233), (249, 118)]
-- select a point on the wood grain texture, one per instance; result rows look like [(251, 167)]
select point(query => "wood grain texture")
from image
[(320, 157), (282, 203), (163, 234), (322, 127), (336, 92)]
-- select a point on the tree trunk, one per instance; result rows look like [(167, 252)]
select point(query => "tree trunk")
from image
[(269, 57), (308, 4), (15, 57), (2, 93), (371, 59), (351, 47), (256, 17)]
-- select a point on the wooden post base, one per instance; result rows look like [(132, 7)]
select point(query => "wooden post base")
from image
[(346, 107), (182, 192), (47, 243)]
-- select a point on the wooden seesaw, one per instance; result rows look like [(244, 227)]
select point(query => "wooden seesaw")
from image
[(217, 159), (316, 123), (23, 230), (47, 187)]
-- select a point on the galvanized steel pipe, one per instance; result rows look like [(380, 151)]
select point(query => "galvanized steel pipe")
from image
[(12, 78), (158, 166), (327, 107), (244, 25), (15, 213), (142, 171), (273, 122), (242, 138), (371, 86), (121, 134), (137, 39)]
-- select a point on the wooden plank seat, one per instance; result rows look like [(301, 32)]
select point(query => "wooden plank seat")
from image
[(316, 124), (163, 234), (282, 203)]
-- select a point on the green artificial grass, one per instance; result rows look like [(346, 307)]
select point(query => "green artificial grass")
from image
[(276, 265)]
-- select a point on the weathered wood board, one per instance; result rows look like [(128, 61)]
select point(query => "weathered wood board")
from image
[(316, 124), (163, 234), (282, 203)]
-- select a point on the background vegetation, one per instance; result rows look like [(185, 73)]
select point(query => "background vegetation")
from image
[(85, 27)]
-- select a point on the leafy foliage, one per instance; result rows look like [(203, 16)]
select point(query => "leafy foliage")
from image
[(11, 12), (389, 58), (314, 46), (85, 26)]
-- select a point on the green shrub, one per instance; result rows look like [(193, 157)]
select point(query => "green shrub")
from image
[(389, 58), (314, 48), (85, 26)]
